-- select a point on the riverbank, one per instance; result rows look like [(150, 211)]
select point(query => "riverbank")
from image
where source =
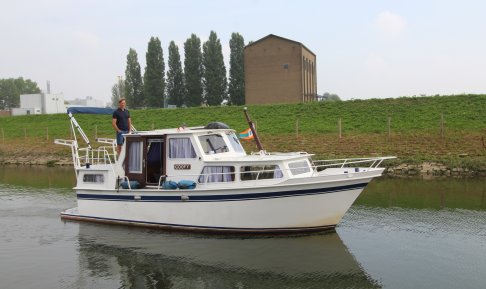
[(431, 136), (417, 155), (425, 170)]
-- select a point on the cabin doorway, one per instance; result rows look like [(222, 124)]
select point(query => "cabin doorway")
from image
[(135, 159), (155, 160)]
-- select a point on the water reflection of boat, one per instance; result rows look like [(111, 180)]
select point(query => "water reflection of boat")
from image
[(144, 258)]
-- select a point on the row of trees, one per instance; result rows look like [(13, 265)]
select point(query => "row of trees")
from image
[(12, 88), (203, 79)]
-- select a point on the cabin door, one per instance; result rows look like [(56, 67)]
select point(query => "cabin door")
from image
[(135, 159), (155, 164)]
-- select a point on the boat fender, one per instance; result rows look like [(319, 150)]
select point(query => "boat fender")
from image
[(169, 185), (186, 185), (134, 185)]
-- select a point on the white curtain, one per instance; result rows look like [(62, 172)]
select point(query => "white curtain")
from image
[(181, 148), (217, 174), (277, 173), (135, 157), (227, 176)]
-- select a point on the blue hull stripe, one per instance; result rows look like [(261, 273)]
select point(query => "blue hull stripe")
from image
[(195, 197)]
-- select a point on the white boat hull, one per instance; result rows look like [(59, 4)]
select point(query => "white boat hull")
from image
[(307, 206), (231, 190)]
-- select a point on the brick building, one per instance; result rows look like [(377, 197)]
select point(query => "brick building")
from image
[(279, 70)]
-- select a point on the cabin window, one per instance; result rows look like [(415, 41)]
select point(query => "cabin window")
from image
[(213, 144), (300, 167), (217, 174), (135, 157), (235, 143), (94, 178), (181, 148), (249, 173)]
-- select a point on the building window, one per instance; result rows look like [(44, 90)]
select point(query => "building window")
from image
[(286, 66)]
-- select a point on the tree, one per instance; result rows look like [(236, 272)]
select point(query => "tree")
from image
[(12, 88), (236, 88), (175, 77), (193, 71), (154, 77), (133, 86), (118, 91), (326, 96), (214, 71)]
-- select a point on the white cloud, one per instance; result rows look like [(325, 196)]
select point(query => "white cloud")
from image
[(391, 25)]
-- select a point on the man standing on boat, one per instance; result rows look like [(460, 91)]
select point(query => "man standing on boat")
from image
[(122, 123)]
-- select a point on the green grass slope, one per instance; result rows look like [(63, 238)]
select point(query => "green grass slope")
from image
[(421, 128)]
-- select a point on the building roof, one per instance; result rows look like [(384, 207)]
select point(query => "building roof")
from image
[(281, 38)]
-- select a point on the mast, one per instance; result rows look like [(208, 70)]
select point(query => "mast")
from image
[(253, 130)]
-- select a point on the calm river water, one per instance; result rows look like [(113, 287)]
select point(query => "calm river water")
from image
[(401, 233)]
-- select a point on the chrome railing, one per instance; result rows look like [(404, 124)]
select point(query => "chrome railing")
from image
[(351, 162), (91, 156)]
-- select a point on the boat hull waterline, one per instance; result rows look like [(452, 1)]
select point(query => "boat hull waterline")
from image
[(307, 207)]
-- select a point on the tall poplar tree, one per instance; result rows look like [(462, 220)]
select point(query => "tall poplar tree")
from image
[(154, 77), (117, 92), (133, 81), (214, 71), (236, 87), (193, 71), (175, 77)]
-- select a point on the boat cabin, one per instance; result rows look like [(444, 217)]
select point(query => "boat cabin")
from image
[(201, 155)]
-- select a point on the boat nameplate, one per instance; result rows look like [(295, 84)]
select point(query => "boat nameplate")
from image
[(182, 166)]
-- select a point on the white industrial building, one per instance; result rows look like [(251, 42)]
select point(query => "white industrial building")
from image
[(40, 103)]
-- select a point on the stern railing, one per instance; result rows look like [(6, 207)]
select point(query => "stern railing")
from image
[(88, 156)]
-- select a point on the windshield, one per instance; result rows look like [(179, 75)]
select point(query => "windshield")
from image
[(235, 143), (213, 144)]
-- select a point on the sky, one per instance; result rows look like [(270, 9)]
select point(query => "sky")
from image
[(365, 49)]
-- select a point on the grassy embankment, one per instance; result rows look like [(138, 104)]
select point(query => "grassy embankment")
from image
[(446, 129)]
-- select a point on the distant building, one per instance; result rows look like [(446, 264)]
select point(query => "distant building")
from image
[(5, 113), (87, 101), (40, 103), (279, 70)]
